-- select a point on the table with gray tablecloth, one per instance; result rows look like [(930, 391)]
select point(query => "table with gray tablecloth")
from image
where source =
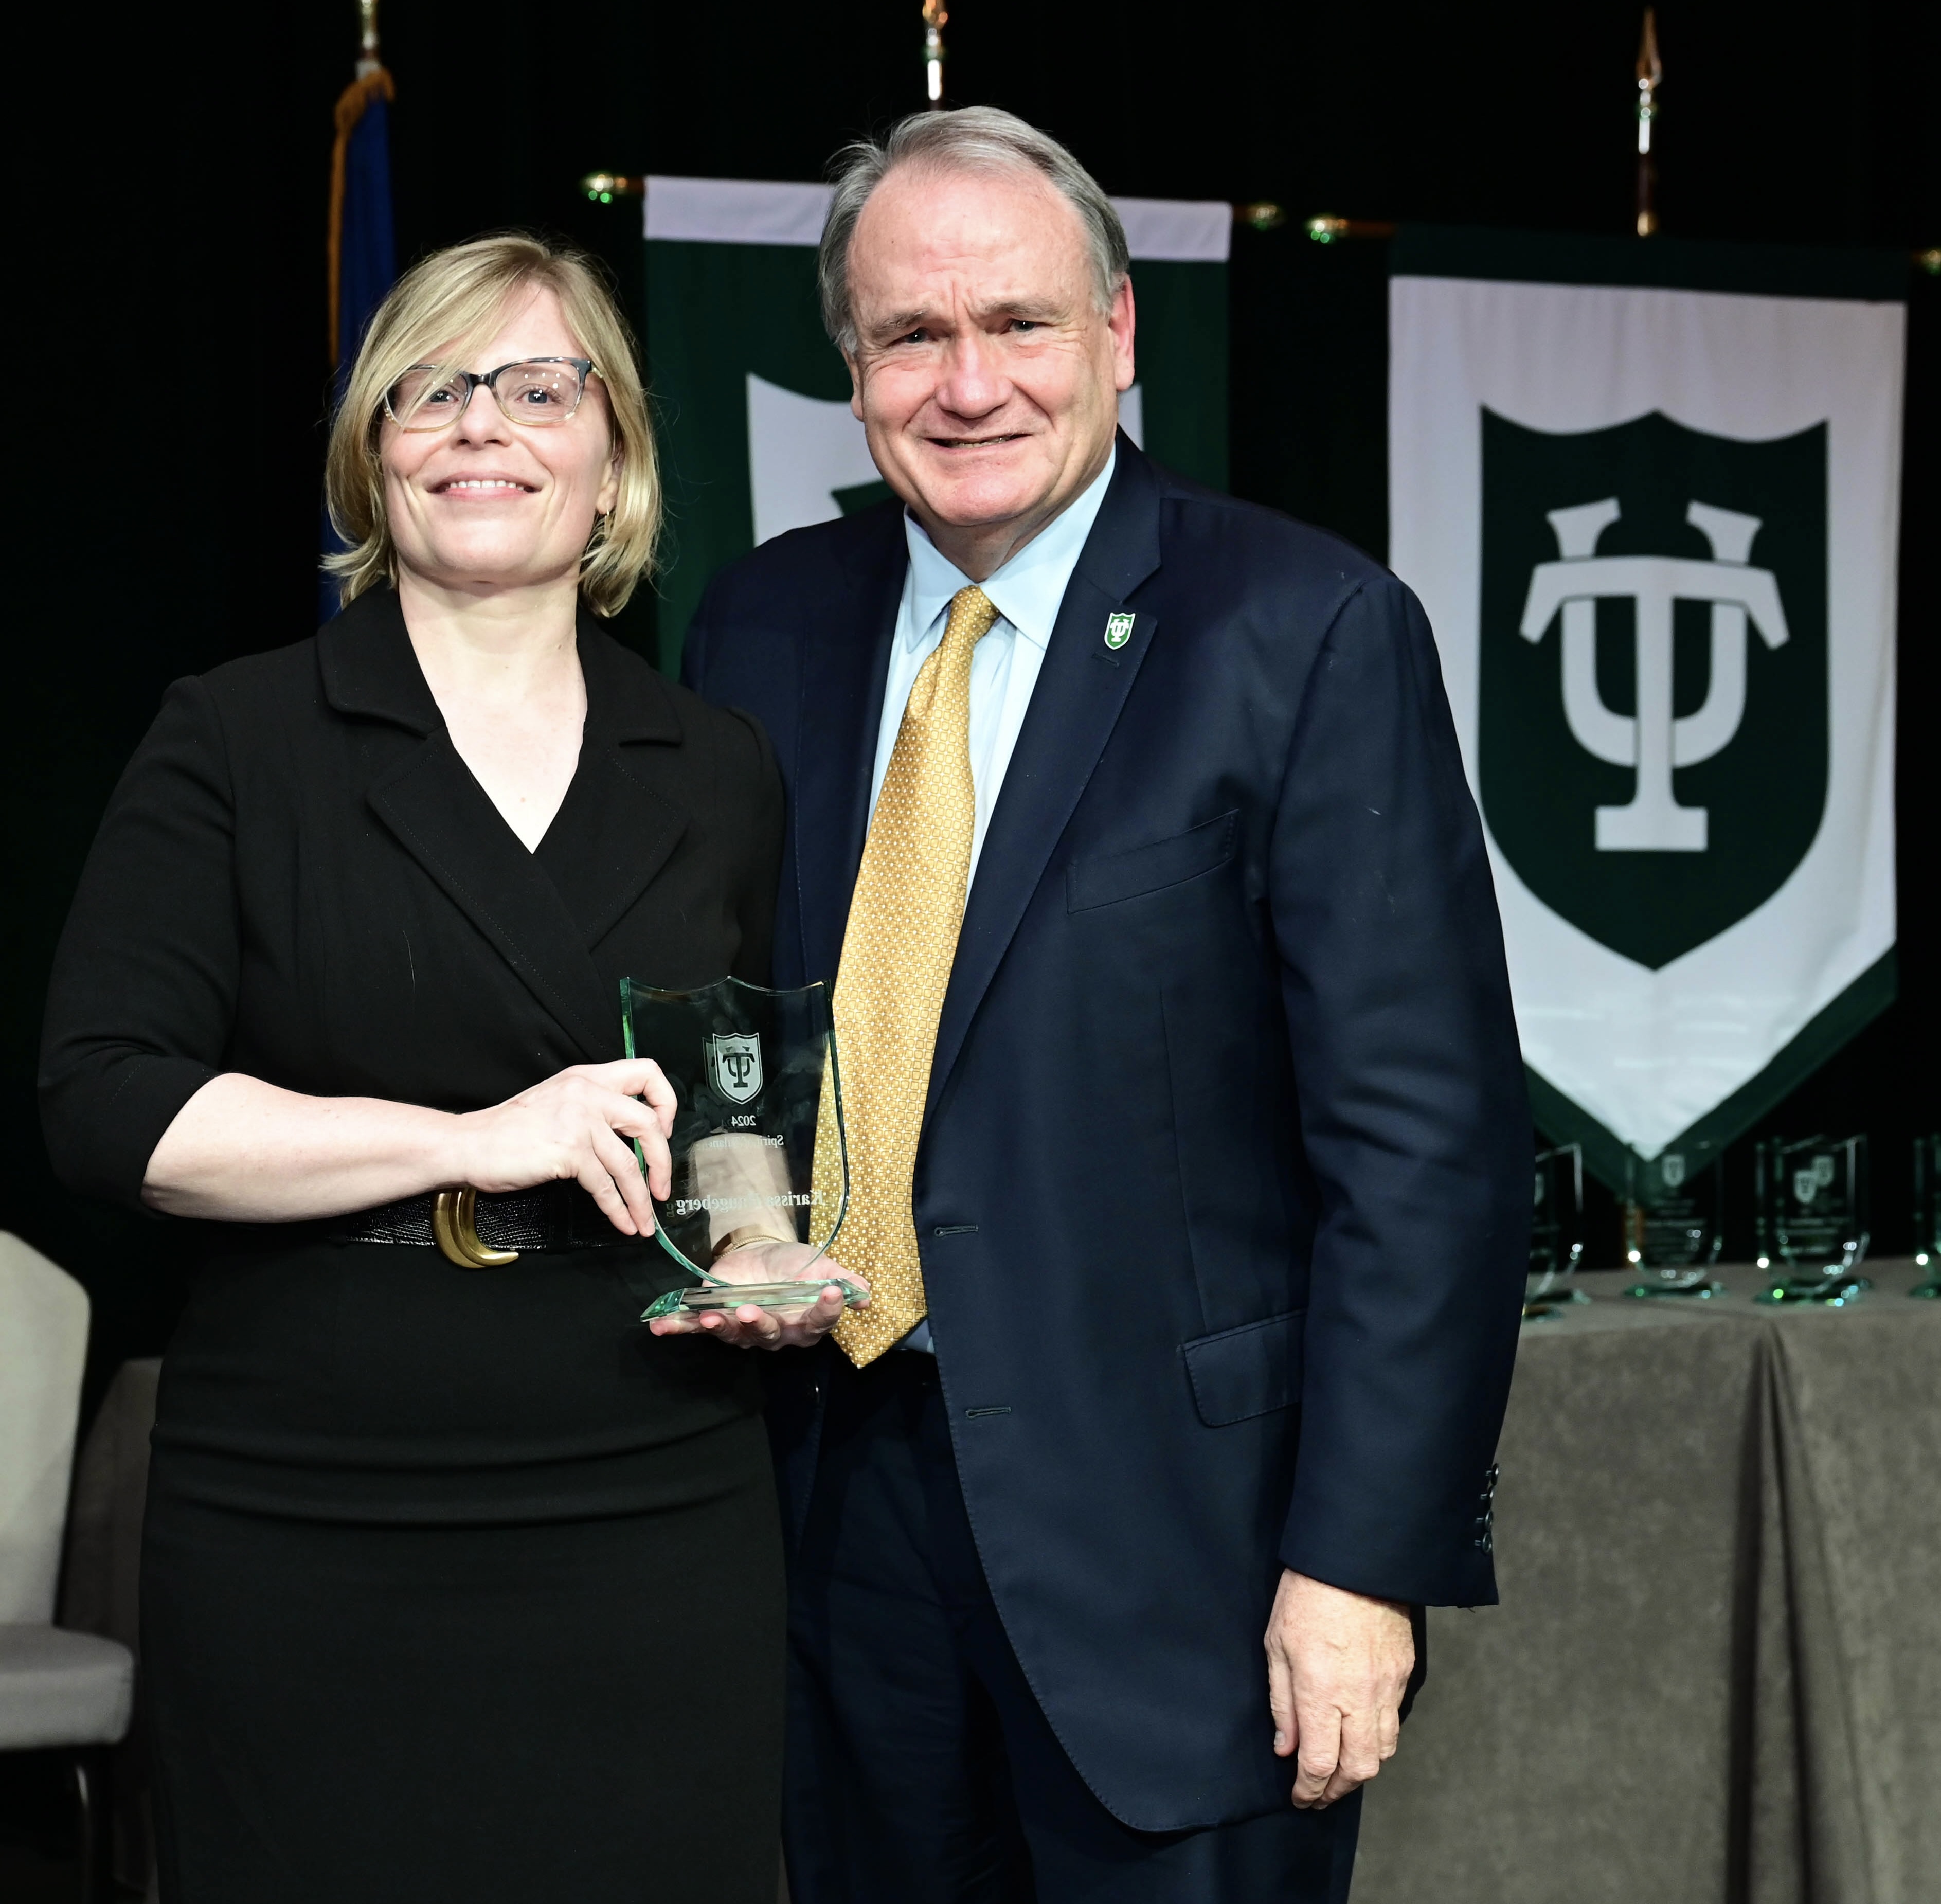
[(1715, 1673)]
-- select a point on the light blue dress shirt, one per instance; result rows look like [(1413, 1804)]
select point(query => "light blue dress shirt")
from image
[(1027, 592)]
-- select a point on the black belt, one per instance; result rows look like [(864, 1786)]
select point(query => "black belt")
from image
[(477, 1229)]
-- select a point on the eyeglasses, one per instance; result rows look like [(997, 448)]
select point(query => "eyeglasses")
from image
[(538, 392)]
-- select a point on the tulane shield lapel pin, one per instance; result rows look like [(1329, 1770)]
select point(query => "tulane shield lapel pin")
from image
[(1118, 630)]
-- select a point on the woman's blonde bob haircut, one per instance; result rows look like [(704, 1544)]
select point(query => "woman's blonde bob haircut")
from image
[(452, 302)]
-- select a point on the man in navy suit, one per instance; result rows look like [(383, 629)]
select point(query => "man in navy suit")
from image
[(1215, 1227)]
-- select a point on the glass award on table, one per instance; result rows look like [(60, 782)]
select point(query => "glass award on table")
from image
[(1674, 1207), (1556, 1232), (1927, 1215), (755, 1078), (1813, 1198)]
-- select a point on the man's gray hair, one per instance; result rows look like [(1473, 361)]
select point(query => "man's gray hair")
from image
[(973, 138)]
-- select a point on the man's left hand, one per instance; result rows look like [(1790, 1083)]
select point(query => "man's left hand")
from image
[(1337, 1665), (750, 1328)]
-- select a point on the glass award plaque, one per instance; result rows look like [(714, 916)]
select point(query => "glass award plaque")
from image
[(1674, 1207), (1813, 1194), (1927, 1215), (751, 1070), (1556, 1232)]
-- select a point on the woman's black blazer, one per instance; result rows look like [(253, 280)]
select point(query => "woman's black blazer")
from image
[(298, 879)]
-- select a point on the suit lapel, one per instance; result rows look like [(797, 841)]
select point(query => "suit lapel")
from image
[(426, 795), (846, 660), (443, 818), (613, 832), (1081, 687)]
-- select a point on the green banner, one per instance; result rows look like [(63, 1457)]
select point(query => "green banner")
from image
[(752, 400)]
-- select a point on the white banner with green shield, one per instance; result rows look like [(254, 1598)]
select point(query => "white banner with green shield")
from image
[(1648, 496), (751, 400)]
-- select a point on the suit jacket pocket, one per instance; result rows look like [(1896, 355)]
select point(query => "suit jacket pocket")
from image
[(1248, 1371), (1112, 876)]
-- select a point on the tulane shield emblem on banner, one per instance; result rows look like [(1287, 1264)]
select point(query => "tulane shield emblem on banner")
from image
[(1653, 528), (1652, 721)]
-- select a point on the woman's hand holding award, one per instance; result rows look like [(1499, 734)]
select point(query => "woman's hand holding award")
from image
[(760, 1177)]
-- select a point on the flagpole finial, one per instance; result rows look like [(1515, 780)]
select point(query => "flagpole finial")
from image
[(1650, 73), (934, 20), (366, 40)]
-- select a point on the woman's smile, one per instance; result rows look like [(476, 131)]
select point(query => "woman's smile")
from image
[(483, 486)]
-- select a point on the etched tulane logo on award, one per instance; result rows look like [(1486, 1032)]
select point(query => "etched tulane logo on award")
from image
[(734, 1065), (1653, 723)]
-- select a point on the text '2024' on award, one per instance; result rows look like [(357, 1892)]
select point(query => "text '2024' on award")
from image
[(760, 1173)]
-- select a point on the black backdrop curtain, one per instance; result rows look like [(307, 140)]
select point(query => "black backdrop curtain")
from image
[(170, 182)]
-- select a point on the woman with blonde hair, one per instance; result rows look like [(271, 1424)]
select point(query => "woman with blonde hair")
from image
[(457, 1583)]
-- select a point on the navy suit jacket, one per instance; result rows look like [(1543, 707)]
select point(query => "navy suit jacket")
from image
[(1223, 1191)]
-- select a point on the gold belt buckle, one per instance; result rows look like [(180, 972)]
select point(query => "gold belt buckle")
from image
[(454, 1223)]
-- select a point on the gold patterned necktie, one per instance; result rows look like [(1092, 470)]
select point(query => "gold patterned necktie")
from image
[(897, 954)]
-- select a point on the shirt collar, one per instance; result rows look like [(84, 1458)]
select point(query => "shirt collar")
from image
[(1027, 590)]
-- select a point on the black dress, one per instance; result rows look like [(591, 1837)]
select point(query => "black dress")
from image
[(457, 1584)]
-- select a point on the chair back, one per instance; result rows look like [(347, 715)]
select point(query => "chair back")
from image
[(43, 1345)]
